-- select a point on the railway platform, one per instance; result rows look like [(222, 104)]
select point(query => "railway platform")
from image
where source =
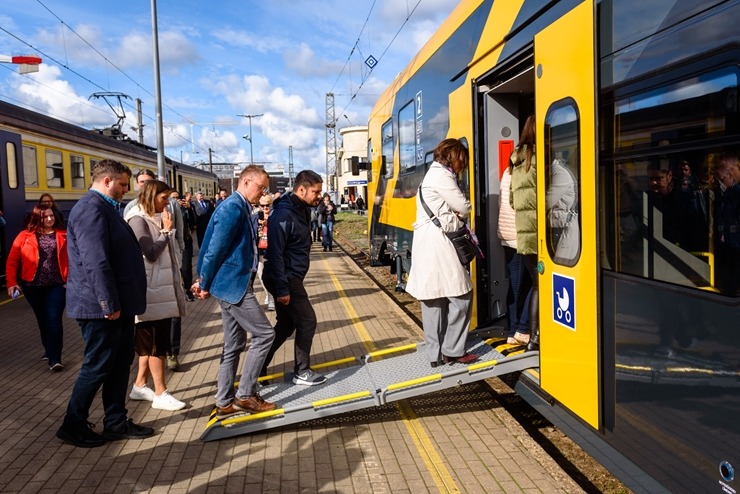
[(454, 439)]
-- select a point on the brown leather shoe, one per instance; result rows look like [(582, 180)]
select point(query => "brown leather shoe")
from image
[(254, 404), (227, 411)]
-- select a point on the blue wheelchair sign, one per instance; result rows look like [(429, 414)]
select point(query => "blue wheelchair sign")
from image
[(564, 301)]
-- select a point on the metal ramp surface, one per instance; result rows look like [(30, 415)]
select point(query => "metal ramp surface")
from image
[(372, 380)]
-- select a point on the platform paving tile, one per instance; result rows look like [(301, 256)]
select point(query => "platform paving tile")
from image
[(363, 451)]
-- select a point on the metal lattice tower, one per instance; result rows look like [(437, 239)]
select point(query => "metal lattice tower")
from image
[(291, 173), (331, 139)]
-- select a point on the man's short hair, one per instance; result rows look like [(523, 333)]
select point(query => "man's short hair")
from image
[(109, 168), (307, 178), (251, 171)]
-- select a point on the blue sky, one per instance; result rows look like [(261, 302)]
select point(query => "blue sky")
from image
[(218, 59)]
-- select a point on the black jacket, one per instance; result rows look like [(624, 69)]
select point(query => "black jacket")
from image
[(288, 244)]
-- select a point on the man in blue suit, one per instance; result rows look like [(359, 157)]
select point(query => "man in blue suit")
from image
[(227, 265), (106, 288)]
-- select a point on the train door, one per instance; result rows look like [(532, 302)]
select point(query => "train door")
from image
[(565, 102), (12, 193)]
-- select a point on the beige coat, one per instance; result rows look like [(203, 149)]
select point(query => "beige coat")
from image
[(165, 297), (436, 271), (506, 214)]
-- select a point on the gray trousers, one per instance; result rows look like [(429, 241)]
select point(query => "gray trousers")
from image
[(446, 323), (239, 318)]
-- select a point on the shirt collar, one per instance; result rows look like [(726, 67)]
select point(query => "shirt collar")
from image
[(107, 199)]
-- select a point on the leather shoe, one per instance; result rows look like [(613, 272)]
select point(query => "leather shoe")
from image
[(227, 411), (465, 359), (83, 437), (254, 404)]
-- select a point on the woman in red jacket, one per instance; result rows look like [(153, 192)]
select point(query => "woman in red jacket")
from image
[(37, 267)]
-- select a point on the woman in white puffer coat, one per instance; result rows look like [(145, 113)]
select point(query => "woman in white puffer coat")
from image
[(152, 222)]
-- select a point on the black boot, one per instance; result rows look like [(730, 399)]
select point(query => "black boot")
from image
[(534, 341)]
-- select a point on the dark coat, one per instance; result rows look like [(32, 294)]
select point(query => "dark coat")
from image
[(106, 269), (288, 244)]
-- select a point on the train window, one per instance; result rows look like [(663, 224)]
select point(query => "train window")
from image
[(562, 173), (666, 203), (78, 171), (12, 172), (54, 169), (30, 167), (407, 139), (387, 131), (369, 160)]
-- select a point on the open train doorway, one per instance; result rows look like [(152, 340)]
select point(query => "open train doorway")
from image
[(504, 99)]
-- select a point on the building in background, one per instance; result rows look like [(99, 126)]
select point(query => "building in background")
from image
[(351, 165)]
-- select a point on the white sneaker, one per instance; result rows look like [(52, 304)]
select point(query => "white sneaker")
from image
[(142, 393), (309, 378), (166, 401)]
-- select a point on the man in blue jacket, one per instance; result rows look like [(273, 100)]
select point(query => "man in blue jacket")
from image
[(286, 264), (227, 265), (106, 288)]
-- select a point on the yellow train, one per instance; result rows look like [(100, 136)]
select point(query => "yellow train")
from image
[(40, 154), (640, 356)]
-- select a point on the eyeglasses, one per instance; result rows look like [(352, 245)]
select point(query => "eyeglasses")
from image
[(265, 190), (265, 206)]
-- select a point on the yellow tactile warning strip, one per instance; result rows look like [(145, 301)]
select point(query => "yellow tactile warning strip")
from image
[(424, 445)]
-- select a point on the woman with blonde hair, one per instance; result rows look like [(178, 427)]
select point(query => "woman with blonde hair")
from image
[(152, 221)]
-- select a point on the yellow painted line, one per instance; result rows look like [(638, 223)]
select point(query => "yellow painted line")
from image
[(339, 399), (414, 382), (253, 416), (424, 445), (482, 365), (348, 360), (10, 300), (388, 351)]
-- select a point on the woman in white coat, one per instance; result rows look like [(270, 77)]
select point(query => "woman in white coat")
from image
[(152, 222), (437, 279)]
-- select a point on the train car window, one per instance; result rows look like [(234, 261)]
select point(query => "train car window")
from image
[(387, 132), (562, 176), (93, 162), (369, 160), (54, 169), (666, 200), (78, 171), (406, 139), (12, 164), (30, 167)]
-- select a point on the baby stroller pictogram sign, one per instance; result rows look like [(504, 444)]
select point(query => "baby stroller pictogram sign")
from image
[(564, 300)]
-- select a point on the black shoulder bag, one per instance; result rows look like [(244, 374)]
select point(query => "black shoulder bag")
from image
[(461, 240)]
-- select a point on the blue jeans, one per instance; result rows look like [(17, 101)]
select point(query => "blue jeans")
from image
[(327, 230), (109, 353), (48, 304), (518, 301)]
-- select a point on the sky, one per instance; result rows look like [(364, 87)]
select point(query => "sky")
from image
[(218, 59)]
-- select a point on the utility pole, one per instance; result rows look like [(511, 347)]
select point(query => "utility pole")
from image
[(157, 93), (291, 175), (331, 140), (249, 137)]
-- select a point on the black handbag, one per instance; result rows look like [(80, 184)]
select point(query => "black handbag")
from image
[(461, 239)]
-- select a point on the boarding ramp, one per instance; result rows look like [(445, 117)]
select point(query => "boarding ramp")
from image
[(372, 380)]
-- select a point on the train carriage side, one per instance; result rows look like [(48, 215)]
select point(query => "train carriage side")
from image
[(639, 359)]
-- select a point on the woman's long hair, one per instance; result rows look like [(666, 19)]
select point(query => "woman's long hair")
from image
[(149, 191), (452, 153), (36, 220), (527, 140)]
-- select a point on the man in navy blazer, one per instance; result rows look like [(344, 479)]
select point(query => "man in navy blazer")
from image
[(227, 265), (106, 288)]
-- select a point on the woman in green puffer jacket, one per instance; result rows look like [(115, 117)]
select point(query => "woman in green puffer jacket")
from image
[(523, 199)]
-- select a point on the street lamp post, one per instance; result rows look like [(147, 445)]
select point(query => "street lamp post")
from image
[(249, 136)]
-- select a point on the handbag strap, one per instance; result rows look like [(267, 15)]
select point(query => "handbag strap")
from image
[(434, 219)]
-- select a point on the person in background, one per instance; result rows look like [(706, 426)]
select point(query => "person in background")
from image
[(37, 266), (727, 225), (227, 264), (315, 226), (523, 199), (45, 199), (326, 211), (360, 203), (185, 212), (518, 278), (203, 211), (264, 212), (152, 221), (286, 263), (437, 278), (106, 289), (221, 197)]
